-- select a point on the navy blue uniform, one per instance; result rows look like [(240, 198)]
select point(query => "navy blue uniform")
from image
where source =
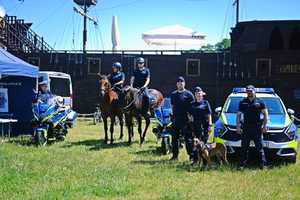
[(114, 78), (117, 77), (200, 111), (181, 102), (140, 77), (252, 127)]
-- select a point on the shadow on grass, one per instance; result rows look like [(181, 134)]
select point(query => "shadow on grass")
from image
[(95, 145), (152, 151), (22, 141), (186, 165), (29, 141)]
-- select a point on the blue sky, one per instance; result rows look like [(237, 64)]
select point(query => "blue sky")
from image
[(61, 27)]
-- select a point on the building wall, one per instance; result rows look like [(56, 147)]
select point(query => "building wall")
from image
[(249, 61)]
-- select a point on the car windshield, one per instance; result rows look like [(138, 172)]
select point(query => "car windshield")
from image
[(60, 86), (273, 105)]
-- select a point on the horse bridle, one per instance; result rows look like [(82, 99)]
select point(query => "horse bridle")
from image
[(130, 104)]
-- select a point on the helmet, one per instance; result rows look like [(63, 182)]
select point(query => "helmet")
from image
[(43, 81), (140, 60), (117, 65), (250, 88)]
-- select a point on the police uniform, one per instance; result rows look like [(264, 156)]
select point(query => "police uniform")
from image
[(251, 127), (44, 96), (114, 78), (140, 78), (181, 102), (200, 111)]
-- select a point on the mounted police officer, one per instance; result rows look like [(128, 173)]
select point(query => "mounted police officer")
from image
[(200, 113), (253, 126), (141, 80), (117, 78), (181, 100)]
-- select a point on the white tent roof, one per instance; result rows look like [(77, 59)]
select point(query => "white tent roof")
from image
[(174, 35)]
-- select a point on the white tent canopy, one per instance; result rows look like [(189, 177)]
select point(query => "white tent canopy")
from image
[(174, 35)]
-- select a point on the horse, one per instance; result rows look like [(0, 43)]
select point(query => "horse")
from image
[(110, 106), (135, 108)]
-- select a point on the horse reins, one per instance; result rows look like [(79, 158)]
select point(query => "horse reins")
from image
[(130, 104)]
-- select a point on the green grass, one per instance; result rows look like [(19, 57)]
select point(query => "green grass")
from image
[(83, 167)]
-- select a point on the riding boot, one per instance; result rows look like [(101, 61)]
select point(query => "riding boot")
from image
[(146, 103)]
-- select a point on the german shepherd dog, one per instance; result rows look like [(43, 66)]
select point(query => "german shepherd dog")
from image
[(207, 151)]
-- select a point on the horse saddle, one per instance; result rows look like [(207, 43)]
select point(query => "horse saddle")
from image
[(141, 96)]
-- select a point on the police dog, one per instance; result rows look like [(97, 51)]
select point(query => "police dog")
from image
[(207, 151)]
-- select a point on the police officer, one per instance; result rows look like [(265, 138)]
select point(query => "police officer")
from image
[(181, 100), (253, 126), (44, 95), (141, 80), (200, 111), (117, 79)]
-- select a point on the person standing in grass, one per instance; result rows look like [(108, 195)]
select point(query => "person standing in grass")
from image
[(253, 126), (181, 100), (201, 120)]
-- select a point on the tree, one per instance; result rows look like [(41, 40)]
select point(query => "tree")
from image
[(220, 46), (224, 44), (208, 48)]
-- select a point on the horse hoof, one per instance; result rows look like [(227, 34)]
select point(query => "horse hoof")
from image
[(111, 142), (106, 141)]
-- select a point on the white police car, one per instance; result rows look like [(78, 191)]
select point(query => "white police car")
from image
[(282, 135)]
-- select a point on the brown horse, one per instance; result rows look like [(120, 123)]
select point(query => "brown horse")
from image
[(110, 107), (135, 108)]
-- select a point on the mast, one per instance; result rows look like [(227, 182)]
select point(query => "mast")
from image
[(237, 4), (84, 39), (83, 10), (237, 11)]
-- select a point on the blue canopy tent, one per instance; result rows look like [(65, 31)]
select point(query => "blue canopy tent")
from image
[(18, 82)]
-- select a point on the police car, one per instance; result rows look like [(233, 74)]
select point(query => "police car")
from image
[(282, 135)]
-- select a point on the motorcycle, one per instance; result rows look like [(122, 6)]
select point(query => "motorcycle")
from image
[(163, 129), (51, 121)]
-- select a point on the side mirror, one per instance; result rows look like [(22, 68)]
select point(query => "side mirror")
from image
[(218, 110), (290, 111)]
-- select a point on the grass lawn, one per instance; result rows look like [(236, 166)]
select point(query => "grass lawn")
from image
[(83, 167)]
